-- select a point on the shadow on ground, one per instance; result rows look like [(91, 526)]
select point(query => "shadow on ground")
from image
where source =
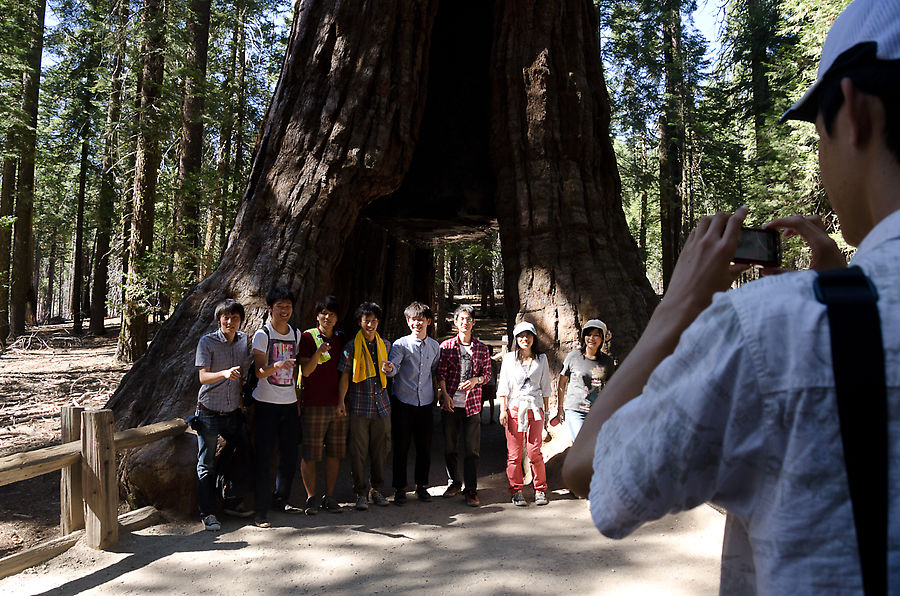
[(437, 547)]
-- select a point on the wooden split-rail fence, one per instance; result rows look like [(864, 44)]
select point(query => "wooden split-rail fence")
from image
[(89, 495)]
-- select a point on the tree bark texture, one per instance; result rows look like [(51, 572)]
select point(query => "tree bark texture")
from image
[(21, 288), (349, 128), (567, 253), (133, 336)]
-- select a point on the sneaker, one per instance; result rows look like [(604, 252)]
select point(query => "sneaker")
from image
[(261, 522), (400, 497), (518, 499), (330, 505), (540, 497), (362, 503), (211, 524), (239, 510), (378, 498), (472, 499), (282, 506), (423, 494), (312, 506), (452, 490)]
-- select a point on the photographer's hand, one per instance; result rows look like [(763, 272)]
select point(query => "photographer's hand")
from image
[(704, 268), (825, 252)]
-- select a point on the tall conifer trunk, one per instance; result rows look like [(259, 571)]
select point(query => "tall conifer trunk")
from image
[(6, 209), (133, 337), (671, 141), (22, 291), (187, 245), (107, 196)]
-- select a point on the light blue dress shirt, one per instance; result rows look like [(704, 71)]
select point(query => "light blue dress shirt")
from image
[(415, 363)]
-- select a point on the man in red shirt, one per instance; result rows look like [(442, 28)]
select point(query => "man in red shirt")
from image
[(324, 423)]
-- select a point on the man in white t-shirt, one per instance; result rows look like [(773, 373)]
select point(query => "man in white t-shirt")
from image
[(276, 409)]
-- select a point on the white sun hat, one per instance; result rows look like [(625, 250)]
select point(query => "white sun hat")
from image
[(524, 326)]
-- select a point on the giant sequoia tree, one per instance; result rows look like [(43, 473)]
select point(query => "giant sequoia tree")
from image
[(395, 123)]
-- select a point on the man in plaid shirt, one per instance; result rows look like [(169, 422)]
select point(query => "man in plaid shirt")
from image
[(464, 367)]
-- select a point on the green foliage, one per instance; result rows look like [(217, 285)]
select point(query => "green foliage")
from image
[(81, 40), (734, 151)]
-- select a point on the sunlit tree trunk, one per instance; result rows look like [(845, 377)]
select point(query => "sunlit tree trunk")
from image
[(133, 337), (21, 284)]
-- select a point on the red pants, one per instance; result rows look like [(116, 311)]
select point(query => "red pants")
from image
[(514, 441)]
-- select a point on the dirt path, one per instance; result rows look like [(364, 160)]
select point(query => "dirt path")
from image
[(438, 547)]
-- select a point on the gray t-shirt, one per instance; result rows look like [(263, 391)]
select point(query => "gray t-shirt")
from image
[(217, 354), (586, 379)]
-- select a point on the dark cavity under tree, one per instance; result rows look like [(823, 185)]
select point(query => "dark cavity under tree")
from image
[(389, 130)]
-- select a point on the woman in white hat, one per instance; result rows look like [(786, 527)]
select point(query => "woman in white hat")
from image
[(524, 392), (584, 374)]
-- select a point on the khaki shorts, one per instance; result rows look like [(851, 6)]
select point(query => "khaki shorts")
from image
[(323, 429)]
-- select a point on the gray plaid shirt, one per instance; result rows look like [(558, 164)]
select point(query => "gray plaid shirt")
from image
[(217, 353)]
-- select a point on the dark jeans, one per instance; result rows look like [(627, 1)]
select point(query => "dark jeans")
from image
[(271, 421), (210, 426), (408, 424), (452, 422)]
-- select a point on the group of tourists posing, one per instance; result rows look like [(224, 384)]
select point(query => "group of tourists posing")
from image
[(347, 408)]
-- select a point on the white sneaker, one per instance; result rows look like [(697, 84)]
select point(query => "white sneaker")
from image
[(362, 503), (540, 497), (211, 524)]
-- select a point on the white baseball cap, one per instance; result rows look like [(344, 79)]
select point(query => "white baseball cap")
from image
[(524, 326), (595, 324), (866, 32)]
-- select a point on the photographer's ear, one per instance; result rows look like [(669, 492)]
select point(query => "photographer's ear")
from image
[(859, 113)]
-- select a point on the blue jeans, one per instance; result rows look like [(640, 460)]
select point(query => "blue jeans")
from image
[(574, 422), (271, 421), (210, 426)]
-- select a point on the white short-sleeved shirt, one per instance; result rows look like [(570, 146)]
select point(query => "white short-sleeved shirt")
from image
[(744, 414), (278, 388)]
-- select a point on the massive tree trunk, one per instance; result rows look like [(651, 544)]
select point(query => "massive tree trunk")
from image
[(133, 336), (21, 289), (567, 253), (357, 176), (339, 133)]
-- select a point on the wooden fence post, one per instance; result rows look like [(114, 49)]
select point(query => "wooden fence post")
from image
[(101, 497), (71, 501)]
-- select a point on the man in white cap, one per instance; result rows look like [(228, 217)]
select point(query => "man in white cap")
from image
[(732, 397)]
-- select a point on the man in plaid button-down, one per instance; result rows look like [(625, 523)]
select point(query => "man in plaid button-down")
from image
[(464, 367)]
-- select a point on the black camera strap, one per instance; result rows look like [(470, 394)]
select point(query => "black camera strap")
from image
[(857, 354)]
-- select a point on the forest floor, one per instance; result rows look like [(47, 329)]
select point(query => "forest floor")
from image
[(436, 547), (44, 370)]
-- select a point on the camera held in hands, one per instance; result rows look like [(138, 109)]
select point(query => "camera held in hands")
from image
[(759, 247)]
